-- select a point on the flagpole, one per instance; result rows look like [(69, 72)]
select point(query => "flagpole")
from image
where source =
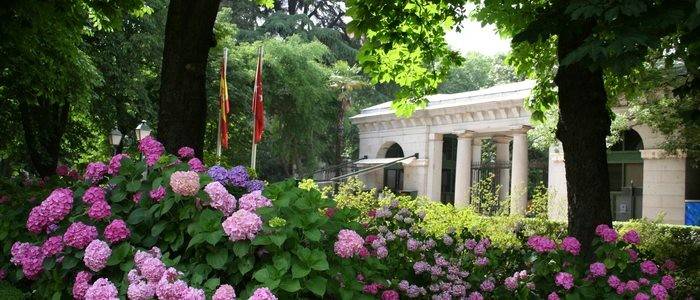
[(254, 147), (218, 134)]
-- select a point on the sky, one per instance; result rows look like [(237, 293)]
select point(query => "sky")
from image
[(475, 38)]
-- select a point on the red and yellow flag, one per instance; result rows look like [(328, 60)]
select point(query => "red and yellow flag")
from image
[(258, 109), (223, 106)]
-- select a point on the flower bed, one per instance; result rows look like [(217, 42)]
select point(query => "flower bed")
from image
[(167, 227)]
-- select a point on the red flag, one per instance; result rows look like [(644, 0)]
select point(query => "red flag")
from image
[(223, 106), (258, 109)]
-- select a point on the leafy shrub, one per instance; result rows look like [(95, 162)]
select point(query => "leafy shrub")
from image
[(537, 208), (485, 198)]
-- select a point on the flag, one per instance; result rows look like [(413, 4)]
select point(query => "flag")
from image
[(223, 106), (258, 109)]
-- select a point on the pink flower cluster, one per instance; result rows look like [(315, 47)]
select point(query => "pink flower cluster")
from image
[(597, 269), (196, 165), (151, 150), (564, 279), (242, 225), (51, 211), (571, 244), (349, 243), (115, 163), (224, 292), (95, 171), (52, 246), (631, 237), (94, 194), (185, 152), (29, 257), (81, 284), (99, 210), (221, 199), (151, 278), (541, 244), (102, 289), (262, 294), (157, 194), (185, 183), (96, 255), (608, 234), (253, 200), (79, 235)]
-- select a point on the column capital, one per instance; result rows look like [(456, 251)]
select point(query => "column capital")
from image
[(501, 139), (464, 134), (520, 129), (435, 136), (477, 141)]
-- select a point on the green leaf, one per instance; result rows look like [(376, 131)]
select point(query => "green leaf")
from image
[(117, 196), (214, 237), (136, 216), (278, 239), (69, 262), (299, 271), (197, 239), (212, 283), (313, 235), (156, 183), (246, 264), (133, 186), (158, 228), (261, 240), (241, 248), (119, 254), (49, 264), (217, 258), (263, 275), (282, 262), (56, 296), (609, 263), (319, 262), (317, 285), (290, 285)]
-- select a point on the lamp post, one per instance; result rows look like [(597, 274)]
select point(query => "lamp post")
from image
[(115, 138), (142, 130)]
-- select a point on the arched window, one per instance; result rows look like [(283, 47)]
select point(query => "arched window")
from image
[(393, 175), (394, 151)]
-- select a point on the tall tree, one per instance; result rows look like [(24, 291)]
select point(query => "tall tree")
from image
[(573, 44)]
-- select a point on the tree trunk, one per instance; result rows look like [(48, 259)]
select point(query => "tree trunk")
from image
[(44, 124), (183, 106), (584, 122)]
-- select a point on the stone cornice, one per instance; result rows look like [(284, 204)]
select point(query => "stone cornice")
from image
[(661, 154)]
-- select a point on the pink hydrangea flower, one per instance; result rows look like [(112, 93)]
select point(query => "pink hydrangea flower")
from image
[(95, 171), (649, 267), (262, 294), (614, 281), (349, 243), (116, 163), (152, 269), (141, 290), (151, 150), (372, 288), (487, 285), (117, 231), (608, 234), (553, 296), (253, 201), (390, 295), (185, 183), (481, 261), (196, 165), (96, 255), (52, 246), (136, 198), (102, 289), (51, 211), (641, 296), (597, 269), (79, 235), (94, 194), (242, 225), (669, 265), (632, 285), (564, 279), (62, 170), (220, 198), (224, 292), (157, 194), (511, 283), (185, 152), (541, 244), (659, 291), (631, 237), (81, 285), (29, 257), (633, 255), (571, 244), (99, 210), (668, 282), (3, 274), (473, 296)]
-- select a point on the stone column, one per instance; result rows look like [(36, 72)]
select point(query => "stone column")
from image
[(463, 172), (476, 151), (518, 185), (503, 157), (433, 188)]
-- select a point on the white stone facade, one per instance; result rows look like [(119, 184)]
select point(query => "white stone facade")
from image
[(497, 113)]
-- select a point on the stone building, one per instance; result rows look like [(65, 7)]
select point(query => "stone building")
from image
[(441, 146)]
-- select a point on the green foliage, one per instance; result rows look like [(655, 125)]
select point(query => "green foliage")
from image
[(485, 198), (537, 208), (477, 72)]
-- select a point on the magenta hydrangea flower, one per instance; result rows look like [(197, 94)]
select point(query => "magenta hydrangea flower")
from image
[(99, 210), (62, 170), (242, 225), (614, 281), (649, 267), (571, 244), (196, 165), (29, 257), (115, 163), (95, 171), (79, 235), (51, 211), (631, 237), (262, 294), (632, 285), (185, 152), (597, 269), (116, 231), (102, 289), (81, 284), (564, 279), (553, 296), (633, 255), (185, 183), (472, 296), (511, 283), (157, 194), (541, 244), (481, 261), (390, 295), (152, 269), (372, 288), (3, 274), (669, 265), (151, 150), (608, 234), (96, 255), (94, 194), (487, 285), (224, 292), (349, 243), (668, 282), (641, 296), (220, 198), (52, 246), (659, 291), (141, 290), (253, 201)]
